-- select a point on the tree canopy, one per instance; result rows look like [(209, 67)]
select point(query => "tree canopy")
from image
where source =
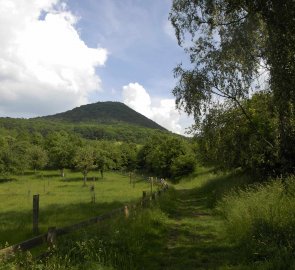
[(231, 44)]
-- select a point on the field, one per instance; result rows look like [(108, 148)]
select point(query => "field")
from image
[(188, 227), (62, 201)]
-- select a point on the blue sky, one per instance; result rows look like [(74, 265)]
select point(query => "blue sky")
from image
[(135, 34), (62, 54)]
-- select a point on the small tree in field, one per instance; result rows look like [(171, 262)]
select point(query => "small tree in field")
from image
[(101, 161), (85, 161), (38, 157), (61, 148)]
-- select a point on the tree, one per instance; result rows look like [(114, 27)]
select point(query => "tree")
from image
[(231, 42), (8, 162), (128, 156), (61, 148), (38, 157), (101, 160), (160, 153), (85, 160), (226, 140), (183, 165), (13, 156)]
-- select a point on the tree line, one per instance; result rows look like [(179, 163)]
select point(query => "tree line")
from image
[(165, 155)]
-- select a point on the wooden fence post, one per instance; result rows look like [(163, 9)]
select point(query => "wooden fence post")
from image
[(126, 211), (35, 213), (92, 192), (51, 236), (144, 200), (152, 180)]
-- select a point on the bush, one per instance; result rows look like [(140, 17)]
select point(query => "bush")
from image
[(261, 219), (183, 165)]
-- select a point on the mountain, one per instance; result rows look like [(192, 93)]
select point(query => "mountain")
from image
[(105, 113), (112, 121)]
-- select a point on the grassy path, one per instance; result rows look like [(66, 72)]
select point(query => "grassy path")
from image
[(192, 234)]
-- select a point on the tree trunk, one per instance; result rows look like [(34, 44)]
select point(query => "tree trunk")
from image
[(84, 178), (62, 173), (281, 49)]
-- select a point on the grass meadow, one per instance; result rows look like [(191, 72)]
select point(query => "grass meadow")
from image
[(206, 221), (62, 201)]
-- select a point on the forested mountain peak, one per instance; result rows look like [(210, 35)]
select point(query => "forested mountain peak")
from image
[(105, 112)]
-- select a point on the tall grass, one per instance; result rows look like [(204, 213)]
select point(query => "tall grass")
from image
[(261, 220), (115, 244)]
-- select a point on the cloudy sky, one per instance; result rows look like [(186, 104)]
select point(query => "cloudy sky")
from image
[(56, 55)]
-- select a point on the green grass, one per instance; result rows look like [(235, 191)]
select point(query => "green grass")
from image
[(62, 201), (261, 219), (195, 225), (179, 231)]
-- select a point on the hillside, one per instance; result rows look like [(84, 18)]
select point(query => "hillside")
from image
[(99, 121), (105, 113)]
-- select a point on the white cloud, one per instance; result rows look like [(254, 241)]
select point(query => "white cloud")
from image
[(137, 98), (44, 65), (169, 30), (163, 112)]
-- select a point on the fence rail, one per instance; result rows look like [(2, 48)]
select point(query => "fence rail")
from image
[(50, 237)]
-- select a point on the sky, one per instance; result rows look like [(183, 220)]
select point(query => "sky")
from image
[(56, 55)]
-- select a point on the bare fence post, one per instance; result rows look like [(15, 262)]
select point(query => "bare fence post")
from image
[(126, 211), (144, 200), (51, 236), (152, 182), (35, 213), (92, 192)]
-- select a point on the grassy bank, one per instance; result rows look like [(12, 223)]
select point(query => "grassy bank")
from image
[(261, 220)]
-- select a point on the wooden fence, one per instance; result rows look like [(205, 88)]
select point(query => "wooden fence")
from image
[(50, 237)]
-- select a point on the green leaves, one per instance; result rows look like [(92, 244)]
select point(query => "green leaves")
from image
[(227, 140), (230, 45), (166, 157)]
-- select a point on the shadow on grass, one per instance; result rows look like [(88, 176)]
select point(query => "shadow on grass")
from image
[(5, 180), (179, 232), (16, 226), (193, 238), (220, 185), (80, 179), (51, 175)]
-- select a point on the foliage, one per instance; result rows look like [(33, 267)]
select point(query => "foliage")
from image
[(230, 45), (38, 157), (61, 147), (226, 139), (112, 131), (128, 155), (13, 155), (106, 112), (84, 160), (183, 165), (165, 157)]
